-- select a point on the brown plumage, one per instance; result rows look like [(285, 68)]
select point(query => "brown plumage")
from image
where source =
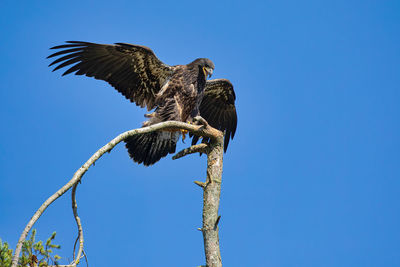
[(178, 92)]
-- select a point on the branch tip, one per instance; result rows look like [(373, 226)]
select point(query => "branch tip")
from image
[(201, 184), (200, 148)]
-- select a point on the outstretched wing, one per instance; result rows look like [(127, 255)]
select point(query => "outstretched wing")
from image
[(218, 108), (133, 70)]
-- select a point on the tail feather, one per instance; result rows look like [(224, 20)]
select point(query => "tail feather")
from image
[(151, 147)]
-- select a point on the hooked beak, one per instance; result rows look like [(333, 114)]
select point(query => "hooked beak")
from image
[(209, 72)]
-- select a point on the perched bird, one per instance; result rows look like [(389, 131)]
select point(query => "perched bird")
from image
[(176, 93)]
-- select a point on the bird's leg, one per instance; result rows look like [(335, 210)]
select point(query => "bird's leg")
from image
[(150, 115)]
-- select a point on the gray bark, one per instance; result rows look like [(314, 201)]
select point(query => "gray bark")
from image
[(212, 187), (211, 197)]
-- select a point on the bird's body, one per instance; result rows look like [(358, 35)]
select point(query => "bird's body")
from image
[(176, 92), (180, 97)]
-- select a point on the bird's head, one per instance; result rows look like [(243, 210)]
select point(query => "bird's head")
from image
[(206, 66)]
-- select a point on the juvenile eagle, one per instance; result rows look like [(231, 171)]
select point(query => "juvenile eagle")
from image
[(177, 93)]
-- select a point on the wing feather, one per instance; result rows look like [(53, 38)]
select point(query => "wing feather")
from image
[(133, 70), (218, 108)]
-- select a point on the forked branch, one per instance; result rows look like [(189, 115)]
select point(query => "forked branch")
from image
[(210, 193)]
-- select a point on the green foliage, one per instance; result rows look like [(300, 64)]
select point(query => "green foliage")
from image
[(5, 254), (33, 253)]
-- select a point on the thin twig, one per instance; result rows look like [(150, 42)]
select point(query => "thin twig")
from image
[(200, 148), (201, 184), (76, 241), (87, 262), (79, 225)]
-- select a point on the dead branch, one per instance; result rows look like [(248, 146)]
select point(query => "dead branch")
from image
[(211, 197), (79, 225), (211, 189), (200, 148)]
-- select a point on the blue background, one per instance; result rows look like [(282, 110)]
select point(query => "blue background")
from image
[(311, 178)]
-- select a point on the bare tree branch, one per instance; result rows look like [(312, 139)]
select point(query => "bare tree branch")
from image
[(211, 197), (211, 193), (201, 184), (200, 148), (79, 225)]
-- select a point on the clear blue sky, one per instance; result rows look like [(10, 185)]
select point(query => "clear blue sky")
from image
[(311, 179)]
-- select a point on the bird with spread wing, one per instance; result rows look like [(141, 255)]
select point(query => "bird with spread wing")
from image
[(178, 93)]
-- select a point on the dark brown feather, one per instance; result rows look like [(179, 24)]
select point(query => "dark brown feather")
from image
[(174, 91), (133, 70), (218, 109)]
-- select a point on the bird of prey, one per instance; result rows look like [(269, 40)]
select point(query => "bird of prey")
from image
[(178, 93)]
